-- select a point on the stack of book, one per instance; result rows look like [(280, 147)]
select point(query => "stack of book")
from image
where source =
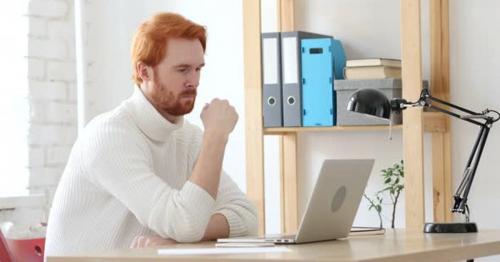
[(373, 68)]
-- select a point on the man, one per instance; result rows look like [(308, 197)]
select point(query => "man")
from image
[(141, 171)]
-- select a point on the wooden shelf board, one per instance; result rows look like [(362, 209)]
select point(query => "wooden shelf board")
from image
[(281, 130), (433, 123)]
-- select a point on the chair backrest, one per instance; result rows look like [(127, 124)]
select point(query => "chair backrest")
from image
[(5, 255), (14, 249), (26, 250)]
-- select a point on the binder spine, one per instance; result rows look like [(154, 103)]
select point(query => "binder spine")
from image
[(271, 80), (292, 101), (318, 97)]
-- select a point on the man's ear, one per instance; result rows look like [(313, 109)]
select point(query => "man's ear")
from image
[(144, 71)]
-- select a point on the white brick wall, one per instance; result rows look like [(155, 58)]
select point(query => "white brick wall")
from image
[(47, 48), (36, 68), (51, 73), (49, 9), (47, 91)]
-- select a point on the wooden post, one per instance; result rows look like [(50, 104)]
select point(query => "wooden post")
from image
[(440, 79), (411, 54), (288, 143), (253, 108)]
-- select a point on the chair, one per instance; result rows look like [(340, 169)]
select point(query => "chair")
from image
[(21, 250), (4, 250), (27, 250)]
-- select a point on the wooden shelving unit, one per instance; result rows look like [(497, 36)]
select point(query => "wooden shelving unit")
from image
[(416, 121)]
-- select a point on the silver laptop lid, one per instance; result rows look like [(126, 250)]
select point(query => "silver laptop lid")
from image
[(335, 199)]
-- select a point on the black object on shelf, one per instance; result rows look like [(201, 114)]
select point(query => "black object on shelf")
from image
[(372, 102)]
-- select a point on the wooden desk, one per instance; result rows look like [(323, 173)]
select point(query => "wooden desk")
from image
[(398, 245)]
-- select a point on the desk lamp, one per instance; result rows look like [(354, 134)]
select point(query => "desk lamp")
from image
[(372, 102)]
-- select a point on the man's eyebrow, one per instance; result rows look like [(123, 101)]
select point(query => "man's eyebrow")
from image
[(188, 65)]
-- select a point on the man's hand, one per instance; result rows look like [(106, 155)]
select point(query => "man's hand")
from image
[(219, 117), (150, 241)]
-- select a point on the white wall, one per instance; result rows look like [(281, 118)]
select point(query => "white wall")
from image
[(51, 74), (51, 98), (475, 62)]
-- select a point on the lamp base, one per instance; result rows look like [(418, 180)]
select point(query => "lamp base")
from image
[(450, 228)]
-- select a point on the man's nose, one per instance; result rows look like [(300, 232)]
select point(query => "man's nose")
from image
[(193, 80)]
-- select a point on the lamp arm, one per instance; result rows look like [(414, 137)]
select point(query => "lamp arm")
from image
[(426, 100), (462, 192), (429, 103), (462, 117), (426, 95)]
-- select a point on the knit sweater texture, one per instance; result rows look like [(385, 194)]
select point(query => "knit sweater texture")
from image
[(127, 175)]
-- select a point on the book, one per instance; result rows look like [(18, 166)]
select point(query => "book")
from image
[(366, 231), (374, 62), (372, 72)]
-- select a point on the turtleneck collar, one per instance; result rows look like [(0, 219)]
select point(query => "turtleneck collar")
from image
[(149, 120)]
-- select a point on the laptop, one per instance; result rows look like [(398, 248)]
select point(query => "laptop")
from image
[(332, 206)]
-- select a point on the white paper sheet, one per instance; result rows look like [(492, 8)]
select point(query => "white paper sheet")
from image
[(224, 250)]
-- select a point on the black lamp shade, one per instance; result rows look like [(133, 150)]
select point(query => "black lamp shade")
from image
[(370, 102)]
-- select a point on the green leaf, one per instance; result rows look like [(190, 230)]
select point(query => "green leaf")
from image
[(385, 189)]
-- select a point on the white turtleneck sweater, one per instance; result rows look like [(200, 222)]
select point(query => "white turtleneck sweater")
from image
[(127, 175)]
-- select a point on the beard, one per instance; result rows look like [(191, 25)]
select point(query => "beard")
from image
[(172, 104)]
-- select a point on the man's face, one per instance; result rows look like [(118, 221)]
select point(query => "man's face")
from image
[(177, 76)]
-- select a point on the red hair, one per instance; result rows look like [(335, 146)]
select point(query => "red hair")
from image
[(150, 41)]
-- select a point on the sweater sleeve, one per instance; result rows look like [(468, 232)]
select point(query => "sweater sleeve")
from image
[(118, 160), (233, 204), (240, 213)]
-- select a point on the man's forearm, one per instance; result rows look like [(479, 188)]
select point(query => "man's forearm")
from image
[(208, 167), (218, 227)]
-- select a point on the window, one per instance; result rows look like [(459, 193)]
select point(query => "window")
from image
[(14, 106)]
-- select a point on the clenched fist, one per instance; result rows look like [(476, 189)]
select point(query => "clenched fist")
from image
[(219, 117)]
